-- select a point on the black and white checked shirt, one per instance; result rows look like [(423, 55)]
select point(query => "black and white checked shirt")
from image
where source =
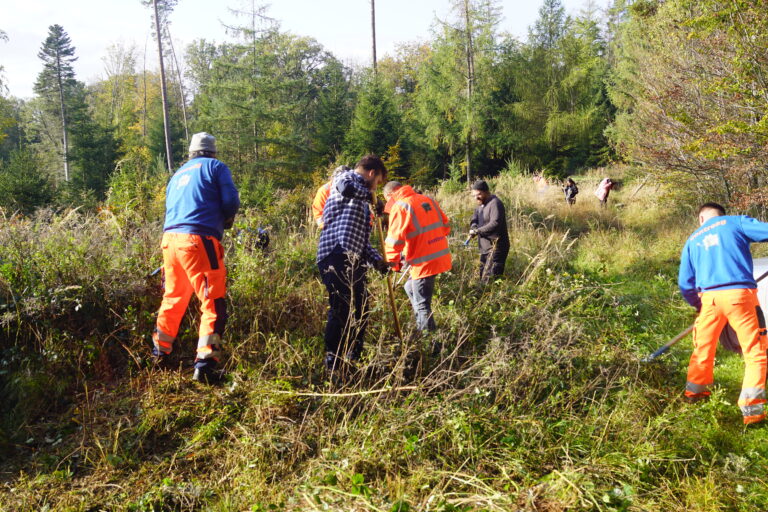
[(347, 219)]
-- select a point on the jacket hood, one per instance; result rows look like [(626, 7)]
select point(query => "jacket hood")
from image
[(403, 192)]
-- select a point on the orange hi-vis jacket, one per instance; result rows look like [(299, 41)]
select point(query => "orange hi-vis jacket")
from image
[(318, 204), (419, 229)]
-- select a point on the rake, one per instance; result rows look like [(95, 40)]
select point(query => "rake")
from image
[(683, 334)]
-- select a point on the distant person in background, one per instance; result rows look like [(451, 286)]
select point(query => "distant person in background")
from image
[(541, 184), (716, 278), (570, 190), (489, 225), (200, 203), (321, 196), (603, 190)]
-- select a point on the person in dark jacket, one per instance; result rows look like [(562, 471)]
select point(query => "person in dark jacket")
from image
[(570, 190), (200, 203), (489, 224), (343, 254)]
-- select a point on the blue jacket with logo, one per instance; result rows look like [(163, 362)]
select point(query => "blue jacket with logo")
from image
[(199, 197), (716, 256)]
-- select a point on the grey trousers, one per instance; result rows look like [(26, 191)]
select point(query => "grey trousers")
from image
[(420, 294)]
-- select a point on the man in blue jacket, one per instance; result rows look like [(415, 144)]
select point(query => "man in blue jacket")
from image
[(200, 203), (716, 278), (343, 253)]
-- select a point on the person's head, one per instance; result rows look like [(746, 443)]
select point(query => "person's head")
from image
[(202, 144), (480, 191), (390, 188), (709, 210), (372, 169), (569, 181)]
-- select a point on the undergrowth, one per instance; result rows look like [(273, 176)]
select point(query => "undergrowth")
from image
[(538, 401)]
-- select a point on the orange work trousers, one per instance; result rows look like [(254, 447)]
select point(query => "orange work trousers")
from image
[(740, 308), (192, 264)]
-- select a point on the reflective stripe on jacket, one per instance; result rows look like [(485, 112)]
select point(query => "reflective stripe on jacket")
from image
[(319, 203), (419, 229)]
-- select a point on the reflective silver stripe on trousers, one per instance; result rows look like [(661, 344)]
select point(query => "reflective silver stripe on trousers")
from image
[(392, 241), (210, 339), (752, 393), (696, 388), (429, 257), (752, 410), (162, 336)]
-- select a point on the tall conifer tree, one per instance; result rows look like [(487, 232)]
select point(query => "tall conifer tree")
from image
[(55, 82)]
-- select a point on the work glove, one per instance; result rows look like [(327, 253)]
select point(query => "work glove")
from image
[(472, 232), (382, 266)]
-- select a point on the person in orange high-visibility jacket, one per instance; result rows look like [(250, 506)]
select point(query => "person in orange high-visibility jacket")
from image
[(716, 278), (321, 196), (418, 229), (318, 204)]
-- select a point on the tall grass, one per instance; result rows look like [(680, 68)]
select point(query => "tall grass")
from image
[(537, 402)]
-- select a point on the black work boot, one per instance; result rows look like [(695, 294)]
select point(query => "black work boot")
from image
[(161, 360), (206, 372)]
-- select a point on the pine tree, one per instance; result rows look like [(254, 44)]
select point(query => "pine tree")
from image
[(3, 37), (55, 82), (375, 122), (22, 186), (448, 101)]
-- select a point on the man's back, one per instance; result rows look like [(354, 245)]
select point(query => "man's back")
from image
[(199, 197), (418, 226), (717, 255)]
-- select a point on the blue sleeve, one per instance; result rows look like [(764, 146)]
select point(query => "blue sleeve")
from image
[(754, 230), (686, 280), (230, 199)]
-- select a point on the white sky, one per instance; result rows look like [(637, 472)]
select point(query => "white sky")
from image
[(342, 26)]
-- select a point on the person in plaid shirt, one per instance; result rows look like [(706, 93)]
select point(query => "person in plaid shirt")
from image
[(344, 254)]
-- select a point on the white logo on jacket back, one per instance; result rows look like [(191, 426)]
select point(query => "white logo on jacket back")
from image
[(183, 181), (711, 241)]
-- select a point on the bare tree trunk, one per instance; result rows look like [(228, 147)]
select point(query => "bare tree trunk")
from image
[(181, 88), (63, 111), (373, 33), (470, 86), (166, 122), (144, 105)]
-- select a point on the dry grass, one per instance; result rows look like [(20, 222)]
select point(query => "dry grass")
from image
[(538, 402)]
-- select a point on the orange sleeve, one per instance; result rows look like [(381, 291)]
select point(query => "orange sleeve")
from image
[(399, 225), (318, 204)]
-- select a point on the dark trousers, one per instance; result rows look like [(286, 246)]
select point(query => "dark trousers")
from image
[(347, 300), (492, 263)]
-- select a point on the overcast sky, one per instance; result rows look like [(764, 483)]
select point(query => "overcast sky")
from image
[(342, 26)]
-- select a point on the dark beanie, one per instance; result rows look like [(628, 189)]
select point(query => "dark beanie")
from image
[(480, 185)]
